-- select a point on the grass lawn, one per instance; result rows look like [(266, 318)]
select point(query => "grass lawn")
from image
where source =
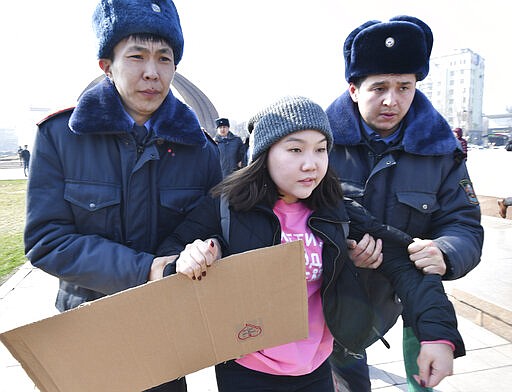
[(12, 218)]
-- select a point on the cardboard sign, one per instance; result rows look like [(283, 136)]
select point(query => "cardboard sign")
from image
[(162, 330)]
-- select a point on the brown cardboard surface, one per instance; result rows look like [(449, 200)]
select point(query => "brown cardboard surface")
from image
[(166, 329)]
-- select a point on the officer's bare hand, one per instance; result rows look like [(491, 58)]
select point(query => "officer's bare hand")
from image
[(427, 257), (157, 267)]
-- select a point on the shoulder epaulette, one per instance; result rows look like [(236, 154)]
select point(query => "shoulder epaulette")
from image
[(57, 113)]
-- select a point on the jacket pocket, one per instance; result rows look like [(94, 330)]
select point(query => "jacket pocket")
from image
[(175, 203), (414, 210), (96, 206)]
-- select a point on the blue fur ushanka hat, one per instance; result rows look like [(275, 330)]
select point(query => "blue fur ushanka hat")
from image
[(114, 20), (221, 122), (400, 46)]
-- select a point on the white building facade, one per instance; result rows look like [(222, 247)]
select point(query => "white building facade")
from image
[(455, 86)]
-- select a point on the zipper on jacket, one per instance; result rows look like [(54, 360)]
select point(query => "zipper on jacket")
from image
[(352, 354), (316, 230)]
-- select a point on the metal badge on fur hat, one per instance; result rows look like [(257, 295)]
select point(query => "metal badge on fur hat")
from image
[(114, 20), (400, 46), (286, 116)]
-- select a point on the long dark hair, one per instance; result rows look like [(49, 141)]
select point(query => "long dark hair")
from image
[(252, 185)]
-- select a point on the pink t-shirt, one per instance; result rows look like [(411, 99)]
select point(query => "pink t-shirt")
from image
[(304, 356)]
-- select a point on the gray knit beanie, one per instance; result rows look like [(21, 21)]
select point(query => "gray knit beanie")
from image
[(286, 116)]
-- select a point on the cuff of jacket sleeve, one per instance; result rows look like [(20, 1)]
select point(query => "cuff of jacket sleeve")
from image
[(440, 341)]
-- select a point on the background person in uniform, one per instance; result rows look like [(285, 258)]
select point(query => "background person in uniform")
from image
[(231, 147), (20, 149), (113, 175), (396, 156), (25, 156)]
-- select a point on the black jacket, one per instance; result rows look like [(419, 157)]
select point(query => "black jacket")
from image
[(426, 307), (347, 308)]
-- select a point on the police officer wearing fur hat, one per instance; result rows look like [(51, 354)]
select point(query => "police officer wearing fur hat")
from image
[(231, 148), (396, 155), (113, 176)]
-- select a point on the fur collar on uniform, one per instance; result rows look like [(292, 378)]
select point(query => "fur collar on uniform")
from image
[(426, 131), (99, 111), (219, 138)]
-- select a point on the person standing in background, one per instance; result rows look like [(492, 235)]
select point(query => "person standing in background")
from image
[(231, 148), (19, 155), (25, 156), (457, 132)]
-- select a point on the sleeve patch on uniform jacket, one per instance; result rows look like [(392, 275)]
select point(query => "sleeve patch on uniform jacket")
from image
[(468, 189)]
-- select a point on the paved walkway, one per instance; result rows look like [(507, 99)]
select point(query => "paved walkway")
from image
[(482, 300)]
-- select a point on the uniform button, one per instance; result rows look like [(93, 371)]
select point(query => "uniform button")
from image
[(424, 206), (389, 162), (92, 206)]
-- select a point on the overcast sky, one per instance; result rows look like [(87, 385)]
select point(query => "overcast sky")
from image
[(242, 54)]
